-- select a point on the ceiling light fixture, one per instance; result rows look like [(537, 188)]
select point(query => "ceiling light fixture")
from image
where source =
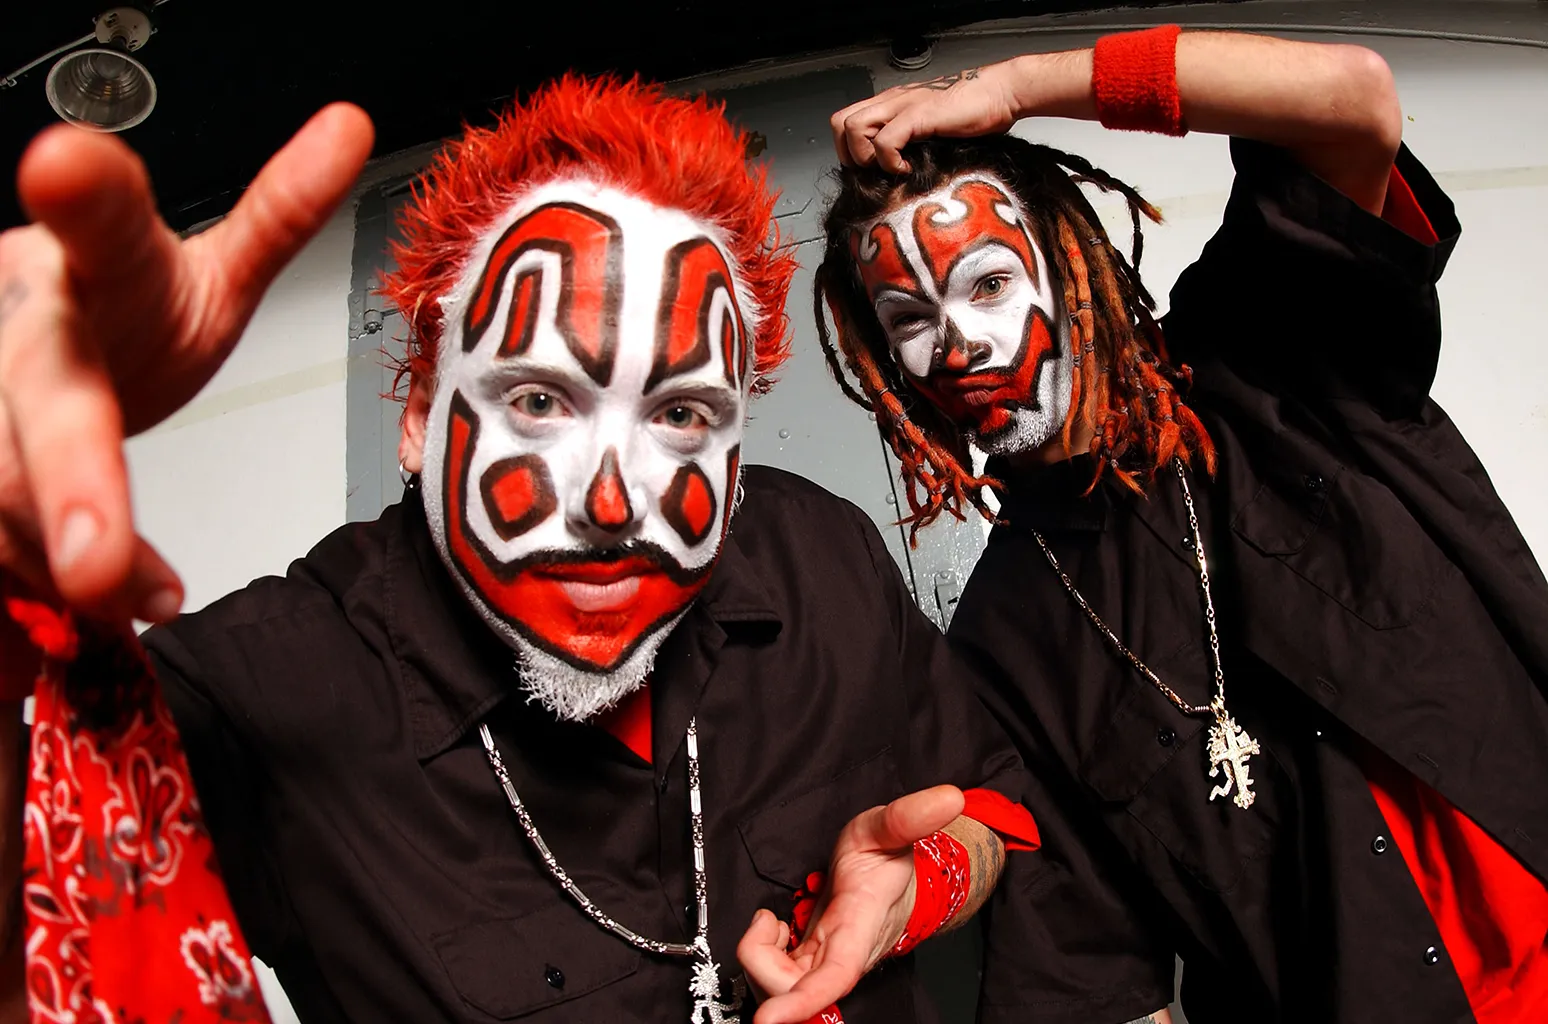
[(101, 88)]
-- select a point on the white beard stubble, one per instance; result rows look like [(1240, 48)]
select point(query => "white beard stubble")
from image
[(1031, 429)]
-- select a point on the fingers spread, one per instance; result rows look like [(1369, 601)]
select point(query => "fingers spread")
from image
[(91, 191), (289, 200)]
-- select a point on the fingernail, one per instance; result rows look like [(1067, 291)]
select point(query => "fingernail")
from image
[(161, 606), (77, 534)]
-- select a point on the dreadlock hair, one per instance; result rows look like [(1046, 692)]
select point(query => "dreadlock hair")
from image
[(1123, 389)]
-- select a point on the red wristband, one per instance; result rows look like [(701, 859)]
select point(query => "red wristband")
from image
[(1134, 81), (942, 875)]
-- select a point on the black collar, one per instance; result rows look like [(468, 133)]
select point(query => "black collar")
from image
[(455, 670), (1053, 498)]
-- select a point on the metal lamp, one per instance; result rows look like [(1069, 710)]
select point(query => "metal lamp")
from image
[(103, 88)]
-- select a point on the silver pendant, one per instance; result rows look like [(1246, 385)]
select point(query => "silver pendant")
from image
[(705, 989), (1229, 749)]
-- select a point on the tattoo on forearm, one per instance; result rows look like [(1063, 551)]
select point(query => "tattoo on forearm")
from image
[(987, 857), (945, 81), (1149, 1018)]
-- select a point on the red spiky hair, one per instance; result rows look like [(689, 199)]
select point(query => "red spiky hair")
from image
[(675, 152)]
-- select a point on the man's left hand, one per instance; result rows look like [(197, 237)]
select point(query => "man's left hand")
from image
[(860, 915)]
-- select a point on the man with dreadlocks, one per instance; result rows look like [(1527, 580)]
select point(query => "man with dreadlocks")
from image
[(1252, 608), (543, 738)]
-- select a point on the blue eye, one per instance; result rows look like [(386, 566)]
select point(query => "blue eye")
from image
[(682, 417), (538, 404)]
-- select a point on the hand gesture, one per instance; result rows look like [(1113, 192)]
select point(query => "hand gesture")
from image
[(109, 323), (978, 101), (860, 914)]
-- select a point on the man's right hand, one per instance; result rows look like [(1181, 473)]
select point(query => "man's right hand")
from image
[(109, 323)]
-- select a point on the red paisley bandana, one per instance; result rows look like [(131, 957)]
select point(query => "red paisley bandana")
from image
[(127, 918)]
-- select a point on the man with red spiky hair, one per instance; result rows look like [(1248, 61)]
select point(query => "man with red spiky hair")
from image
[(540, 740)]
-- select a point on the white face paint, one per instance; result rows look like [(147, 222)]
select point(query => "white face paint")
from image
[(965, 299), (582, 447)]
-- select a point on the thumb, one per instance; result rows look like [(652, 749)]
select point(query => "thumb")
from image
[(288, 202), (911, 817)]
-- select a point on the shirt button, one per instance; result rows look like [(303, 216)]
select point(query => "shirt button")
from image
[(554, 976), (1432, 956), (1187, 543), (1379, 845), (1165, 736), (1315, 483)]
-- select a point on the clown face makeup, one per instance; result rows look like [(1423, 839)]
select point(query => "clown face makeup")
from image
[(581, 451), (964, 298)]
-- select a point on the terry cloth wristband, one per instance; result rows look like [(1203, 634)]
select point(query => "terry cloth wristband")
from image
[(1134, 81), (942, 875)]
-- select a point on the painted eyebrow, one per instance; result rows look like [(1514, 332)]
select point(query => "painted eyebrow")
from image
[(517, 369), (905, 300), (702, 390)]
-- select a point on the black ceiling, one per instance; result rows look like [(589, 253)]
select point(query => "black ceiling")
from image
[(236, 79)]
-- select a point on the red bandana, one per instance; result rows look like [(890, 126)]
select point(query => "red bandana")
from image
[(127, 918)]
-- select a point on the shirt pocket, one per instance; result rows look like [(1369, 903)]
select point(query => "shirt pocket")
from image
[(1344, 533), (1151, 761), (794, 838), (515, 967)]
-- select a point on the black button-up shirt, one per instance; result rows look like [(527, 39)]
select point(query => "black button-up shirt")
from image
[(330, 719), (1373, 594)]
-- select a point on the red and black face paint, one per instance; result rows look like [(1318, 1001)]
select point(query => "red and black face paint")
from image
[(961, 291), (697, 309), (573, 426), (588, 248)]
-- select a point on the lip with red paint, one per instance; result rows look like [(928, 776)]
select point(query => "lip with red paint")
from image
[(594, 587), (977, 397)]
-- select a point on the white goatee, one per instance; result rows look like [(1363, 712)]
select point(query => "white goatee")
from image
[(575, 694), (1030, 429)]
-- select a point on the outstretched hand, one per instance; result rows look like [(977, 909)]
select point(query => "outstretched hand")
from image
[(860, 915), (109, 323)]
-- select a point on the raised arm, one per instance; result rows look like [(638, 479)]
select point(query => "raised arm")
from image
[(1333, 107)]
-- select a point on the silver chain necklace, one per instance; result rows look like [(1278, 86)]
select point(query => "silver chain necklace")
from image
[(1229, 744), (704, 988)]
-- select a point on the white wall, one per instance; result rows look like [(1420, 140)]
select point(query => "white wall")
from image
[(250, 475)]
